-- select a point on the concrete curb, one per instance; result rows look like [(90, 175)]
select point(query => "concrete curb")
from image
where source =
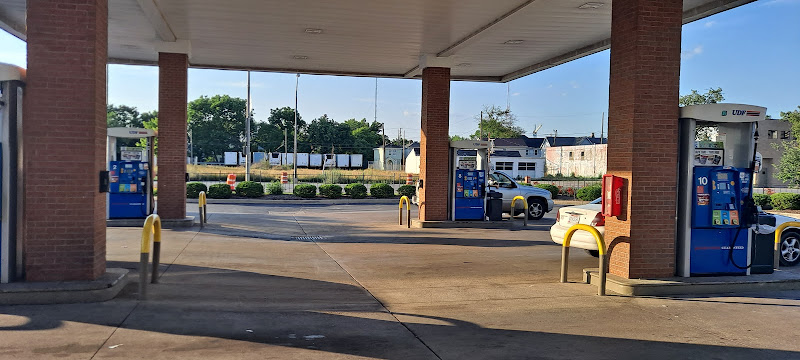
[(105, 288), (778, 281), (392, 201), (187, 222)]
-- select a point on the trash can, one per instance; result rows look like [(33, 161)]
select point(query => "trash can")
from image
[(762, 251), (494, 206)]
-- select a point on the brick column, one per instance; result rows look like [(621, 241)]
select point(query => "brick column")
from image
[(64, 140), (172, 94), (643, 134), (434, 143)]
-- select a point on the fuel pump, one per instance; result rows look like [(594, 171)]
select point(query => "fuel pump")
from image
[(715, 206), (130, 194), (469, 161), (12, 88)]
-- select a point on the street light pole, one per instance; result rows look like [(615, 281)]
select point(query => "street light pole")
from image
[(296, 87), (247, 133)]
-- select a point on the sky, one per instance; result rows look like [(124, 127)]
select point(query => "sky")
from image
[(752, 52)]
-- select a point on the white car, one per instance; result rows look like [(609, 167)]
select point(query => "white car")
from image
[(790, 241), (589, 214)]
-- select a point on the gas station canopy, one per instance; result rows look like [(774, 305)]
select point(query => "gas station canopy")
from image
[(499, 40)]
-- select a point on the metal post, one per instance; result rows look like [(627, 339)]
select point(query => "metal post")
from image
[(601, 287), (408, 216), (143, 259), (156, 261), (247, 133), (564, 263)]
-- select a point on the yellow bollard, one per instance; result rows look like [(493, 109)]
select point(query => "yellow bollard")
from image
[(408, 208), (201, 204), (778, 232), (152, 225), (601, 290), (524, 211)]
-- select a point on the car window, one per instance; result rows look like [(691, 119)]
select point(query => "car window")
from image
[(501, 180)]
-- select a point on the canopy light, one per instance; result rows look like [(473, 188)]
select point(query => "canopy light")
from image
[(514, 42), (464, 65), (313, 31), (300, 57), (591, 5)]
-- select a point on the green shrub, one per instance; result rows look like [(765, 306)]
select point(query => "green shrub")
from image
[(275, 188), (762, 200), (219, 191), (785, 201), (305, 190), (249, 189), (381, 191), (332, 191), (356, 190), (193, 189), (551, 188), (589, 193), (407, 190)]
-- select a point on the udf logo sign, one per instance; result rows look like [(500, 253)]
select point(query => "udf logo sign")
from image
[(724, 112)]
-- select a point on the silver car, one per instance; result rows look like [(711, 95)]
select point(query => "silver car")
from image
[(540, 201)]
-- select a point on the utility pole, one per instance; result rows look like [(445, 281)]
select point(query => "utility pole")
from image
[(285, 144), (383, 147), (561, 154), (602, 126), (294, 159), (247, 133), (403, 156), (480, 126)]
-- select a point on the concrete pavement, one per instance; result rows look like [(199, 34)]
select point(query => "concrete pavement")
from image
[(345, 282)]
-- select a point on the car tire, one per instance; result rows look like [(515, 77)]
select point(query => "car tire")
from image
[(595, 253), (790, 248), (536, 208)]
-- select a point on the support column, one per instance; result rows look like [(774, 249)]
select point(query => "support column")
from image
[(643, 134), (434, 143), (64, 140), (172, 99)]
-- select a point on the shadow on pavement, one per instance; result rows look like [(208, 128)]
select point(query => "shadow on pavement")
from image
[(329, 317)]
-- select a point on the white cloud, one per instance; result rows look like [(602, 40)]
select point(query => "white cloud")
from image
[(550, 86), (710, 23), (574, 84), (515, 94), (563, 94), (688, 54)]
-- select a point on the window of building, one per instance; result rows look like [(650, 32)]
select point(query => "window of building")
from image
[(582, 155), (772, 134), (536, 152), (529, 166), (785, 135), (504, 166), (570, 155)]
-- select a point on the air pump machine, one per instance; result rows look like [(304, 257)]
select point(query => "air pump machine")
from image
[(715, 204), (469, 161), (130, 174), (12, 86)]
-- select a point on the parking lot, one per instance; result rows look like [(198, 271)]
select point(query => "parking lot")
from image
[(345, 281)]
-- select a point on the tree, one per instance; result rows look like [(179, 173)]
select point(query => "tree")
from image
[(150, 121), (789, 165), (498, 123), (457, 138), (123, 116), (712, 96), (324, 133), (217, 124)]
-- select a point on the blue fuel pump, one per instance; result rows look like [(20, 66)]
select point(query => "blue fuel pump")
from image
[(719, 229), (470, 191), (128, 192), (716, 211)]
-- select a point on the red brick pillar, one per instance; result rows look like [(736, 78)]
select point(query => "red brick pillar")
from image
[(172, 89), (64, 140), (434, 143), (643, 134)]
